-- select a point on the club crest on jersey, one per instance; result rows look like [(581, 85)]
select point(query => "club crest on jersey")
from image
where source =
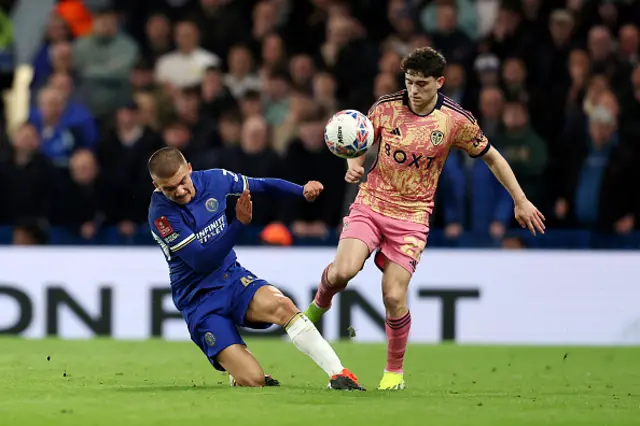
[(212, 205), (209, 338), (437, 137)]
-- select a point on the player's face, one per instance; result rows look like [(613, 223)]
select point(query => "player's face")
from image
[(179, 187), (422, 90)]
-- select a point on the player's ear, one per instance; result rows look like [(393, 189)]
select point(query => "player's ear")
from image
[(155, 185), (190, 168), (440, 82)]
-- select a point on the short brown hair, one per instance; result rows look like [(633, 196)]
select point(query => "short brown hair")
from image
[(425, 61), (166, 162)]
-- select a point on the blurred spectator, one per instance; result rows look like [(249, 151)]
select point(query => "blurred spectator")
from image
[(62, 131), (158, 38), (629, 44), (185, 66), (552, 53), (525, 151), (490, 117), (277, 92), (455, 84), (216, 96), (203, 127), (604, 59), (351, 58), (384, 84), (123, 155), (273, 53), (230, 128), (253, 157), (29, 179), (177, 134), (599, 191), (630, 107), (75, 113), (514, 80), (402, 19), (221, 24), (141, 76), (324, 91), (241, 76), (300, 105), (467, 17), (302, 70), (265, 21), (78, 204), (62, 57), (509, 38), (30, 232), (148, 109), (57, 31), (454, 44), (104, 60), (251, 104), (491, 205), (308, 159)]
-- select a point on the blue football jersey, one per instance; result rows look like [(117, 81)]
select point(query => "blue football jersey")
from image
[(202, 222)]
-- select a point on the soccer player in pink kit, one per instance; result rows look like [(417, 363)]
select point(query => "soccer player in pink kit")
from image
[(415, 129)]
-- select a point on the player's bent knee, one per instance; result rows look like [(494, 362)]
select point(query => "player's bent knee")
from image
[(343, 271), (285, 310), (394, 299)]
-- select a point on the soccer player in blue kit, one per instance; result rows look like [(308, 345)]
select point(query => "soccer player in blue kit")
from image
[(212, 291)]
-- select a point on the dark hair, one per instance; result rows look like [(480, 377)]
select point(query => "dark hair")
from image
[(176, 124), (165, 162), (279, 73), (252, 95), (424, 61)]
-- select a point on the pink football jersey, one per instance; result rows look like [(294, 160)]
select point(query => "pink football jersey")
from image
[(411, 154)]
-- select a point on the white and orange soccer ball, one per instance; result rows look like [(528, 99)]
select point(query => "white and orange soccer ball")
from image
[(349, 134)]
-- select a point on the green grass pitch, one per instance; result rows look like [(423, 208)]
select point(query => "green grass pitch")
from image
[(103, 382)]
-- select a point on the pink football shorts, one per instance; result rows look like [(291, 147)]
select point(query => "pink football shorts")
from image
[(396, 240)]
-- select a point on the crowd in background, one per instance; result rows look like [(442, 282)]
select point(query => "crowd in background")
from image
[(248, 85)]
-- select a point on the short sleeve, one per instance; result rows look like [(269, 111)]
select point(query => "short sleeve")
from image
[(471, 139), (374, 117)]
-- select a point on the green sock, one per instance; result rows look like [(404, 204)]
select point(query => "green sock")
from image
[(314, 313)]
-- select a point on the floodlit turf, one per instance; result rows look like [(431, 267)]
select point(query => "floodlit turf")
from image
[(168, 383)]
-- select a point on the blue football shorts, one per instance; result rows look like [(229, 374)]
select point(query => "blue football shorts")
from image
[(213, 325)]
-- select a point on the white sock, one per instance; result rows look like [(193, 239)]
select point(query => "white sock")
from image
[(310, 342)]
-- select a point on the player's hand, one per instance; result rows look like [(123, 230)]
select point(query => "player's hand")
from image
[(244, 208), (354, 174), (312, 190), (528, 216)]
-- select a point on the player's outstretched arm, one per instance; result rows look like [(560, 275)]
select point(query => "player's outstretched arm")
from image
[(272, 186), (526, 213)]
